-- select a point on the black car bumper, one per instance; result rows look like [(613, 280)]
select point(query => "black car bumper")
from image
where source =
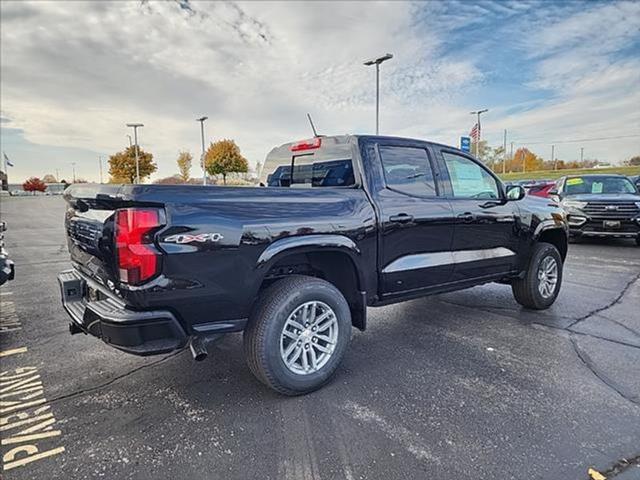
[(7, 269), (583, 226), (136, 332)]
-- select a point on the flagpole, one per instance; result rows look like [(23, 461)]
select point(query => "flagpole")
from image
[(478, 112)]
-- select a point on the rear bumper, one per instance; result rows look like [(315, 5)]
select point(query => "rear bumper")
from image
[(136, 332)]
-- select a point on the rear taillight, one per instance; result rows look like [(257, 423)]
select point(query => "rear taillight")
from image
[(138, 259), (306, 145)]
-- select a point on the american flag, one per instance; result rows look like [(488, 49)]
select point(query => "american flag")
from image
[(475, 132)]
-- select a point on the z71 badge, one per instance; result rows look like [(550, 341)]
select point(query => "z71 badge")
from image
[(187, 238)]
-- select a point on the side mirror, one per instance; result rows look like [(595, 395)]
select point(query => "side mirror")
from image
[(554, 195), (515, 192)]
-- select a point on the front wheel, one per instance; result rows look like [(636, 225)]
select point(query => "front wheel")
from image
[(541, 283), (297, 334)]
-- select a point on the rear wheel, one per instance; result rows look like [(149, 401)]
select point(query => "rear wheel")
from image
[(297, 334), (541, 283)]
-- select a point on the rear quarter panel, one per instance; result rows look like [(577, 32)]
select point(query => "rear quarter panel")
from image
[(219, 280)]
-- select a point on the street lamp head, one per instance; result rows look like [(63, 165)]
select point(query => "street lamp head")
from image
[(479, 111), (201, 119), (134, 125), (379, 60)]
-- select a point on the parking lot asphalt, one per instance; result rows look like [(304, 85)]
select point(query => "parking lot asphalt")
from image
[(465, 385)]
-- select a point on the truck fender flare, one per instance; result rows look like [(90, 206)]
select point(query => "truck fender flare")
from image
[(549, 225), (311, 243), (318, 243), (306, 243)]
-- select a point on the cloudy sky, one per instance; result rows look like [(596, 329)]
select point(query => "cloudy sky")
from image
[(73, 73)]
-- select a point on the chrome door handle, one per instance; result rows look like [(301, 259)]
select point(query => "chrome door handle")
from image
[(467, 217), (401, 218)]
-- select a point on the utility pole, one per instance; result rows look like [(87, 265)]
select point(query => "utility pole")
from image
[(511, 154), (204, 169), (73, 166), (130, 142), (100, 164), (57, 176), (553, 150), (524, 162), (581, 154), (377, 62), (478, 113), (504, 153), (135, 137)]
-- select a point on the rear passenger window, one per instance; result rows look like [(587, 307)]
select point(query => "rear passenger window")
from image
[(408, 170)]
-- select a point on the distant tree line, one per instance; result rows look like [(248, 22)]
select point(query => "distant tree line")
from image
[(524, 159)]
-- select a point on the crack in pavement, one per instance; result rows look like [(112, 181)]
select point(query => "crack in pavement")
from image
[(582, 355), (586, 360), (568, 333), (621, 466), (114, 379), (607, 306)]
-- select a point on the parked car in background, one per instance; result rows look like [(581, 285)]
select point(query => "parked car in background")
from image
[(7, 269), (636, 181), (341, 223), (541, 188), (600, 205)]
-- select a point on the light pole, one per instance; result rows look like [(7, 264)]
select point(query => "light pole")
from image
[(204, 169), (135, 138), (130, 142), (478, 113), (553, 154), (100, 163), (377, 62), (581, 154), (504, 153), (73, 167)]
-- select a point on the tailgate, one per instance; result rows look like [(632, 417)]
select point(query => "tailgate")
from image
[(90, 240), (90, 222)]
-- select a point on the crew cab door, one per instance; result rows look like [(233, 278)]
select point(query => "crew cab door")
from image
[(484, 238), (416, 224)]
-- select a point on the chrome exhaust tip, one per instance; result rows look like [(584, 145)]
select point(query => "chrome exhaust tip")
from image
[(198, 348)]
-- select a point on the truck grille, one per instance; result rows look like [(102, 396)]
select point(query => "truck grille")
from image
[(612, 211)]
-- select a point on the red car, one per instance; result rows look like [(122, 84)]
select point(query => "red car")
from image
[(541, 189)]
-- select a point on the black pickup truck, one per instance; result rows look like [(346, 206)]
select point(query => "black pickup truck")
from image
[(338, 224)]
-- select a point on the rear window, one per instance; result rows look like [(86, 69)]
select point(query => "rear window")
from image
[(330, 165)]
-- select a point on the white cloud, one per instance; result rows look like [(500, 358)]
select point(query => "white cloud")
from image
[(73, 73)]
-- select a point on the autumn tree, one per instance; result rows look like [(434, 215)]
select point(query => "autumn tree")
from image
[(48, 178), (223, 157), (184, 165), (633, 161), (122, 165), (34, 184)]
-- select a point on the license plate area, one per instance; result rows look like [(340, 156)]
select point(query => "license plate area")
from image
[(611, 224)]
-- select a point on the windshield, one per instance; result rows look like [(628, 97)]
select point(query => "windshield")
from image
[(598, 184)]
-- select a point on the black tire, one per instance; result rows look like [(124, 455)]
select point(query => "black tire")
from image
[(526, 291), (264, 331)]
